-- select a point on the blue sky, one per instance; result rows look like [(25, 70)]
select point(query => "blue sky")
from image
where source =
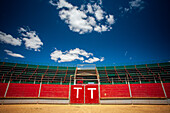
[(106, 32)]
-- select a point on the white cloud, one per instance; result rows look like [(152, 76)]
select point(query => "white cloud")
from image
[(32, 40), (94, 59), (98, 28), (60, 56), (80, 52), (72, 55), (133, 5), (110, 19), (13, 54), (84, 19), (126, 53), (75, 19), (101, 28), (136, 3), (9, 39), (89, 8), (99, 13), (91, 21), (100, 2)]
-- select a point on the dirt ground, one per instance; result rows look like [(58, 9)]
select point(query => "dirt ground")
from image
[(42, 108)]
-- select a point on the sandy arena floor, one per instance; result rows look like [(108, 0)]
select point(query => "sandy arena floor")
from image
[(41, 108)]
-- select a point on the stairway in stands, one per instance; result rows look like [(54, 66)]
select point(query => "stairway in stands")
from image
[(86, 74)]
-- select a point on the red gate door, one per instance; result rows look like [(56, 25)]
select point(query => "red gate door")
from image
[(88, 94), (77, 94), (91, 94)]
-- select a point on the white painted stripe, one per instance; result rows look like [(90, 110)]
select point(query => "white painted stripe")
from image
[(7, 89), (40, 89)]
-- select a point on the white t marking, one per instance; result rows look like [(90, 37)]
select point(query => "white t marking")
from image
[(91, 91), (77, 91)]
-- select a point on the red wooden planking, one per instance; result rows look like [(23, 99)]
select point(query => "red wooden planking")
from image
[(150, 90), (55, 91), (3, 87), (167, 89), (114, 91), (23, 90)]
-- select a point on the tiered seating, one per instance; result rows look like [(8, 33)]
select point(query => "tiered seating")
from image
[(54, 91), (114, 91), (151, 90), (23, 90), (151, 73), (23, 73), (145, 80)]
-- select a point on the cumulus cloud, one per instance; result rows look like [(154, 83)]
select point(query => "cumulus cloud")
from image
[(89, 17), (9, 39), (80, 52), (31, 39), (99, 13), (94, 59), (72, 55), (13, 54), (136, 4), (133, 5)]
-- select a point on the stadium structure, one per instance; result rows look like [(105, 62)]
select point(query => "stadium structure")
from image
[(85, 84)]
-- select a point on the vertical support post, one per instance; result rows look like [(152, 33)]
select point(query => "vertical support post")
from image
[(129, 86), (40, 90), (129, 89), (99, 91), (75, 76), (140, 80), (61, 82), (125, 80), (112, 81), (84, 95), (34, 80), (4, 80), (155, 80), (162, 85), (70, 89), (7, 88), (98, 82)]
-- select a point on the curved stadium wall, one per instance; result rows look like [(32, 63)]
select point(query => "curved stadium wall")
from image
[(134, 84)]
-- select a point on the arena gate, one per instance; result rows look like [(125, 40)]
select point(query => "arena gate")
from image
[(86, 88)]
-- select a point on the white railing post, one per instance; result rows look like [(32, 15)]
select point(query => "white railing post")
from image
[(7, 88), (39, 90), (70, 88), (129, 86), (84, 95), (162, 85)]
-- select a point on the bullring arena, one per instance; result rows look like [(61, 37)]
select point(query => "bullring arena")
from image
[(26, 88)]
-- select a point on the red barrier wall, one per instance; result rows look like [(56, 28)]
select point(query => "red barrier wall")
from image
[(114, 91), (77, 94), (2, 89), (91, 94), (23, 90), (55, 91), (167, 89), (151, 90)]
